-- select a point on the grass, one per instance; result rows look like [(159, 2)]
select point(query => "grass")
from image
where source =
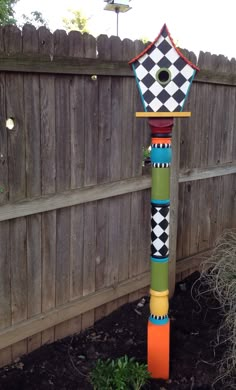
[(219, 277)]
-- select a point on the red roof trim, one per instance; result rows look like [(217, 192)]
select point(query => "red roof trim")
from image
[(151, 44)]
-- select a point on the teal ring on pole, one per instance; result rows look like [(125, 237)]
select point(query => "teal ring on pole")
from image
[(162, 321), (161, 260), (159, 155), (160, 202)]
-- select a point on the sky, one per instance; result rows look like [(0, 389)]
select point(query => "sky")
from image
[(203, 25)]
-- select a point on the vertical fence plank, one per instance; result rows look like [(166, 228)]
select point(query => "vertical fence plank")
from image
[(105, 153), (90, 177), (125, 220), (5, 271), (76, 262), (63, 178), (145, 232), (90, 117), (127, 121), (45, 42), (117, 113), (48, 138), (76, 49), (62, 265), (18, 262), (3, 143), (77, 132), (5, 287), (194, 215), (191, 130), (102, 242), (138, 123), (32, 116), (16, 137), (89, 257), (113, 255), (127, 113), (34, 271), (105, 120), (48, 268), (174, 203), (204, 215), (33, 180), (63, 136), (48, 168), (17, 186), (14, 110), (134, 234), (140, 201)]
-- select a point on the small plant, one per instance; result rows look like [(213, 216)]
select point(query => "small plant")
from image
[(146, 155), (120, 374)]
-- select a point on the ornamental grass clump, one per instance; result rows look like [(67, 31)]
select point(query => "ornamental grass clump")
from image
[(219, 277)]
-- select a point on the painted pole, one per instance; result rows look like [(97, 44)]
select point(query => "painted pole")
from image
[(164, 77), (158, 323)]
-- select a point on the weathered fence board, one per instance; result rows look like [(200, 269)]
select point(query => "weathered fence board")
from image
[(3, 143), (74, 209)]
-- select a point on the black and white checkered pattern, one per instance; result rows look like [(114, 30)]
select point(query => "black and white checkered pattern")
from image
[(160, 231), (161, 146), (158, 97), (161, 165)]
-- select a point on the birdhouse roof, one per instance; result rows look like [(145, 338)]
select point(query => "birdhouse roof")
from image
[(164, 32)]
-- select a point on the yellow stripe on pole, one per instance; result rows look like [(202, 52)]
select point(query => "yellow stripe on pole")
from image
[(181, 114)]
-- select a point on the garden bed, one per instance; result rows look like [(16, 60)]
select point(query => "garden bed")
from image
[(66, 364)]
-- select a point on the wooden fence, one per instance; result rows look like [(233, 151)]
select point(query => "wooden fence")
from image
[(74, 198)]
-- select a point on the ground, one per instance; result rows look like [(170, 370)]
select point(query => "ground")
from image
[(65, 365)]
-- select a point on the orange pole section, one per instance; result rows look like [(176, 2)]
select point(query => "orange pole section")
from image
[(158, 350), (161, 140)]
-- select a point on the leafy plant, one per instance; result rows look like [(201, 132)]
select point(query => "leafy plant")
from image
[(7, 12), (35, 18), (146, 155), (120, 374)]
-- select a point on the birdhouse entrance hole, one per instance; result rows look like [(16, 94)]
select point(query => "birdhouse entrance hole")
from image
[(163, 76)]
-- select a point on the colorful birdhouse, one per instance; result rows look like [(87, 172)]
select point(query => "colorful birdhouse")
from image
[(164, 77), (163, 74)]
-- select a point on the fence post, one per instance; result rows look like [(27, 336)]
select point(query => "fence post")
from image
[(174, 204)]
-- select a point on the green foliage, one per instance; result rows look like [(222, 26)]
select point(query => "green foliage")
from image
[(35, 18), (146, 155), (77, 22), (146, 152), (144, 40), (7, 12), (120, 374)]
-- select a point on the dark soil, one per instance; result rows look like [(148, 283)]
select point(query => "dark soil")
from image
[(65, 365)]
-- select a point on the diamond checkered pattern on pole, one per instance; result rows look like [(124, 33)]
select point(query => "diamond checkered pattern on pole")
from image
[(160, 231)]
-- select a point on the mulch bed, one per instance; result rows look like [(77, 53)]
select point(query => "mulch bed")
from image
[(65, 364)]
